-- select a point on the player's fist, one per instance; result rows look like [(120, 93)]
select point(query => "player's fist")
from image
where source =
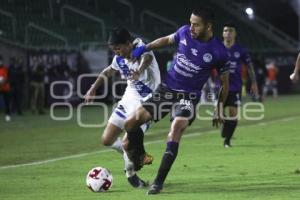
[(294, 77), (90, 95)]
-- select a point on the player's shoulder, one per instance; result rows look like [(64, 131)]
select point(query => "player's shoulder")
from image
[(240, 48), (218, 45), (183, 28), (137, 42)]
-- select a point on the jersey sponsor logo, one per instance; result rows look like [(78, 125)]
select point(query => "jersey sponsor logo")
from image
[(207, 57), (194, 52), (237, 54), (182, 60), (183, 73), (183, 42)]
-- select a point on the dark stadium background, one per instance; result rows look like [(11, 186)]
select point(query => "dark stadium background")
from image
[(76, 31)]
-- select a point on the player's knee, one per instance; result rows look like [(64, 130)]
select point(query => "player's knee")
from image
[(130, 124), (177, 130), (106, 141)]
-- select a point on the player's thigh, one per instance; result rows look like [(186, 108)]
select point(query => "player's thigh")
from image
[(137, 118), (110, 134)]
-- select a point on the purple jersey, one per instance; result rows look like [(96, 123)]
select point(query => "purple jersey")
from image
[(194, 61), (237, 56)]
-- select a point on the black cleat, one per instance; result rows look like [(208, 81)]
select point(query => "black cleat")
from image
[(136, 182), (154, 189), (227, 144)]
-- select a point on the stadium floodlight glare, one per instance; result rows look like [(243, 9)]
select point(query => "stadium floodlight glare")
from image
[(250, 12)]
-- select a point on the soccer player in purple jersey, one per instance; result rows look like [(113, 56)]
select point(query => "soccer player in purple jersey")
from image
[(237, 56), (198, 51)]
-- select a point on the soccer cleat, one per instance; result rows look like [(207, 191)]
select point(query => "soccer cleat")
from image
[(136, 182), (154, 189), (227, 144)]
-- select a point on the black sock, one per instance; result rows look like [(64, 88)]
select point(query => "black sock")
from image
[(228, 130), (167, 162), (136, 149)]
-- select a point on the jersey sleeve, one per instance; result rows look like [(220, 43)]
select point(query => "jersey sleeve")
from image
[(114, 64), (245, 57)]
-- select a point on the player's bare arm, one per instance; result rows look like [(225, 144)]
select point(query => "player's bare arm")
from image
[(107, 72), (295, 75), (145, 62), (251, 71), (161, 42), (223, 93)]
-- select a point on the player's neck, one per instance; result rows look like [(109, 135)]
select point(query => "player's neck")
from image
[(206, 37), (229, 43)]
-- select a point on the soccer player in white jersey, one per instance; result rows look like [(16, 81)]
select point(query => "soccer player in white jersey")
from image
[(142, 78)]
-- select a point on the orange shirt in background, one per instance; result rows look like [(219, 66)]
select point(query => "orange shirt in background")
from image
[(4, 73)]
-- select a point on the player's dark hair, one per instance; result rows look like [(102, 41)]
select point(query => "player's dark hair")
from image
[(229, 24), (119, 35), (206, 13)]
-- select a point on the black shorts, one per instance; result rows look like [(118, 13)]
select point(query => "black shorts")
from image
[(163, 101), (233, 99)]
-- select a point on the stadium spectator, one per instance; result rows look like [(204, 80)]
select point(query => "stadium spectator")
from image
[(17, 81), (141, 78), (198, 51), (5, 88), (238, 55), (295, 75), (271, 80), (261, 73), (38, 87)]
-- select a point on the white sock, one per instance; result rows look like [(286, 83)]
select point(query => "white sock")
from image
[(128, 166), (117, 145)]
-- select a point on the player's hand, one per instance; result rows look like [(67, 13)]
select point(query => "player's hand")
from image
[(217, 118), (90, 95), (254, 89), (137, 52), (134, 75), (294, 77)]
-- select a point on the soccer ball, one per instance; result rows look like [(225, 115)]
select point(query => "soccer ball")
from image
[(99, 179)]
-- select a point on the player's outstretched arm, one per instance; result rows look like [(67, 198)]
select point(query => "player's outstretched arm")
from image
[(295, 75), (223, 93), (156, 44), (90, 95)]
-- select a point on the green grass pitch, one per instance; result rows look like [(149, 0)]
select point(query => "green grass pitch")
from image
[(264, 162)]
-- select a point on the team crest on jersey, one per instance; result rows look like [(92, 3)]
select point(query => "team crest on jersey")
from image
[(207, 57), (236, 54), (194, 52), (183, 42)]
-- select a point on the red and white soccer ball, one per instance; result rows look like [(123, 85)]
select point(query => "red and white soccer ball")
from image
[(99, 179)]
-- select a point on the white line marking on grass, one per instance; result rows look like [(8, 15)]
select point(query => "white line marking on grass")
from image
[(193, 134)]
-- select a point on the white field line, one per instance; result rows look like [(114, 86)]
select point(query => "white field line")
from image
[(194, 134)]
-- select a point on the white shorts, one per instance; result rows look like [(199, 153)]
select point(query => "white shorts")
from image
[(129, 103)]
